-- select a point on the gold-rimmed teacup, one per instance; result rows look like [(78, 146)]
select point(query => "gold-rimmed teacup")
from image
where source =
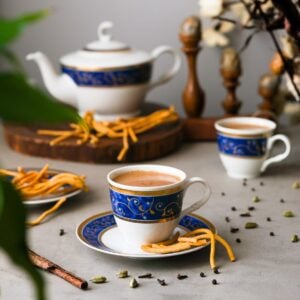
[(149, 214)]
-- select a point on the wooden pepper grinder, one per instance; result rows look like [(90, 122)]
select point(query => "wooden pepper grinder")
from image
[(268, 89), (231, 71), (193, 96)]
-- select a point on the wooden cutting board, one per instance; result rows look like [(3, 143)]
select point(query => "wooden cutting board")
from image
[(153, 144)]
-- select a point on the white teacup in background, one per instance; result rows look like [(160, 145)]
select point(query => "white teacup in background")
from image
[(149, 214), (245, 143)]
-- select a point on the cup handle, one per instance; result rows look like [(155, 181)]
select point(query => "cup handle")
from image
[(202, 201), (279, 157), (170, 73)]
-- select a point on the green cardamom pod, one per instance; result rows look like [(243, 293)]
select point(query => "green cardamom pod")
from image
[(98, 279), (123, 274), (250, 225), (296, 185), (255, 199), (295, 238), (288, 214), (133, 283)]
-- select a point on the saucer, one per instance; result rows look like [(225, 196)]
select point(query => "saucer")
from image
[(37, 200), (101, 233)]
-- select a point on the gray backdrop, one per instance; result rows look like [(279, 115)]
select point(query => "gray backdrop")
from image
[(142, 24)]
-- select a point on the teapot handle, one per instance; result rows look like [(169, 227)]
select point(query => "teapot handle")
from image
[(172, 71)]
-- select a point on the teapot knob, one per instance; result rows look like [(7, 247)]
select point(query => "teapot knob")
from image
[(102, 31)]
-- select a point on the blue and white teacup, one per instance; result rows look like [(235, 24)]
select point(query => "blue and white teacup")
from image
[(245, 143), (150, 214)]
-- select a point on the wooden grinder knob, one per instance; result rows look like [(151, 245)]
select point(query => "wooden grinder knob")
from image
[(193, 96), (231, 71), (268, 89)]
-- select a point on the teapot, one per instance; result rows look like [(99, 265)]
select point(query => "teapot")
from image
[(106, 76)]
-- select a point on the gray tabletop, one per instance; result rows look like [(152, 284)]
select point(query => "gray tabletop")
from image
[(267, 267)]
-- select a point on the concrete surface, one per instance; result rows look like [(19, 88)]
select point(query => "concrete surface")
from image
[(267, 267)]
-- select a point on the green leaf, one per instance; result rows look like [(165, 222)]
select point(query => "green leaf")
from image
[(13, 59), (23, 103), (13, 233), (10, 29)]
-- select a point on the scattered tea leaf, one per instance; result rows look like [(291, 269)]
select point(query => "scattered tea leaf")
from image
[(247, 214), (234, 229), (161, 282), (181, 277), (147, 275)]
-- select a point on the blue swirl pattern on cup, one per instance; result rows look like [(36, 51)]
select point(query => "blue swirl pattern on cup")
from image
[(146, 208), (109, 78), (238, 146)]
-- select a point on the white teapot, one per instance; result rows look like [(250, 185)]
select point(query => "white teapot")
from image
[(107, 76)]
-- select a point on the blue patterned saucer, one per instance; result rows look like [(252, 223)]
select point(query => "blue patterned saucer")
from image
[(100, 233)]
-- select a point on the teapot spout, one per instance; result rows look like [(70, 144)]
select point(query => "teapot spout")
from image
[(61, 86)]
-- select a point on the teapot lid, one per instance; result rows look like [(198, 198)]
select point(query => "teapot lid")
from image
[(105, 42)]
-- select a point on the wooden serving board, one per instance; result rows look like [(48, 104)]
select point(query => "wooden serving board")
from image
[(153, 144)]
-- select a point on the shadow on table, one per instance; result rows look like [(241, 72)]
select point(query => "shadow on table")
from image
[(290, 169), (195, 260), (73, 203)]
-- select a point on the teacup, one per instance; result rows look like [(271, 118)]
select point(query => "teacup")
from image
[(245, 143), (149, 214)]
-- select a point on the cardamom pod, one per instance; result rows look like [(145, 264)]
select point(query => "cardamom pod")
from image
[(123, 274), (288, 214), (250, 225), (295, 238), (296, 185), (256, 199), (98, 279), (133, 283)]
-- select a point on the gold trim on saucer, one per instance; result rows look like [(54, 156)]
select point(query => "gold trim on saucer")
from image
[(109, 212)]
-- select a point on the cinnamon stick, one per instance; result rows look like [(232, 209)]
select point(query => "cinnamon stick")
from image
[(47, 265)]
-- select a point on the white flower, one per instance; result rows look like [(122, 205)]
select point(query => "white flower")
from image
[(212, 38), (210, 8), (226, 27), (290, 86), (240, 11)]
